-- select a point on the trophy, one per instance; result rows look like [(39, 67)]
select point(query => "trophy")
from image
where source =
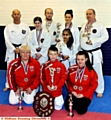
[(89, 26), (71, 114), (60, 48), (20, 107), (58, 31), (52, 78), (47, 26)]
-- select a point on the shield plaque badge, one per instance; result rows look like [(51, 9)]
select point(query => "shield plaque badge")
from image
[(43, 104)]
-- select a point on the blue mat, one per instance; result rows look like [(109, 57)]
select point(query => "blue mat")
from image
[(97, 105)]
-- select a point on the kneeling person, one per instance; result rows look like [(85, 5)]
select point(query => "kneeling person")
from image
[(53, 77), (82, 82), (23, 75)]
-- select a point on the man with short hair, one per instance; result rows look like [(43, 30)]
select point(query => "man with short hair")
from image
[(50, 25), (15, 35), (93, 35), (23, 77)]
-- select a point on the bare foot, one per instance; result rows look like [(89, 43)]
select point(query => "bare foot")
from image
[(99, 95), (5, 89)]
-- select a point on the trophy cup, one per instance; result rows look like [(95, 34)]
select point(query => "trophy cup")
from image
[(71, 114), (52, 78), (88, 34), (47, 26), (20, 107), (58, 31), (60, 48)]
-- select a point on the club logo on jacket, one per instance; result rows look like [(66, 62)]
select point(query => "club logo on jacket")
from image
[(58, 70), (23, 31), (85, 77), (31, 68)]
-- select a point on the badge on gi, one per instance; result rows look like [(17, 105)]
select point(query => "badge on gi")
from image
[(23, 31)]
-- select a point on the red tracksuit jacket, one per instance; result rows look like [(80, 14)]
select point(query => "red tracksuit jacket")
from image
[(87, 85), (18, 78), (60, 77)]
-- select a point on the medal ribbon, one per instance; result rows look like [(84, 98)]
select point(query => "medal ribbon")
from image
[(38, 36), (70, 26), (79, 74), (88, 26), (25, 67)]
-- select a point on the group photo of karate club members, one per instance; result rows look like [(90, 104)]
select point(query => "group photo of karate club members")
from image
[(64, 53)]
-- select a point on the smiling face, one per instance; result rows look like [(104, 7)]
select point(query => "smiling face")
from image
[(68, 18), (66, 36), (25, 54), (81, 60), (38, 25), (90, 15)]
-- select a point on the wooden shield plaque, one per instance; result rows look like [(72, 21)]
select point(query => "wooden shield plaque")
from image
[(43, 104)]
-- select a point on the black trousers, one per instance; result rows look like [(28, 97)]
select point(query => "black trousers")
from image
[(79, 104)]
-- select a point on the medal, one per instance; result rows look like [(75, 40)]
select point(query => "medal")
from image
[(84, 35), (79, 74), (26, 79)]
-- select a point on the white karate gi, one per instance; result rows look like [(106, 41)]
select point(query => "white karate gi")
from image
[(98, 36), (66, 51), (27, 98), (16, 34), (75, 34), (52, 30), (33, 44)]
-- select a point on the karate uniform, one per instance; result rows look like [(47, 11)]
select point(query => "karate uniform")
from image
[(66, 51), (75, 34), (14, 34), (82, 82), (45, 44), (19, 77), (60, 76), (52, 30), (98, 36)]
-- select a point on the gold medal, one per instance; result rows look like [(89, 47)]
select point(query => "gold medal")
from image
[(85, 35), (26, 79)]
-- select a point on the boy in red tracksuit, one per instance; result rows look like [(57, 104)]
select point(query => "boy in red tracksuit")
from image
[(23, 75), (53, 77), (82, 82)]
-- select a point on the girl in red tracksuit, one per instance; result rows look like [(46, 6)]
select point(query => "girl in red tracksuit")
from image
[(82, 82)]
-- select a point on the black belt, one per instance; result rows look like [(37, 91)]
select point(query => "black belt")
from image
[(53, 45), (90, 51), (16, 46)]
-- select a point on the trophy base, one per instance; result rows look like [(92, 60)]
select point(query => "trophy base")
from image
[(87, 42), (38, 49), (61, 60), (52, 88), (71, 114), (20, 108)]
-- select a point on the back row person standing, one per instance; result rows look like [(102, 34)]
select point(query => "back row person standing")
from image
[(93, 35), (15, 35), (39, 41), (68, 24), (50, 26)]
